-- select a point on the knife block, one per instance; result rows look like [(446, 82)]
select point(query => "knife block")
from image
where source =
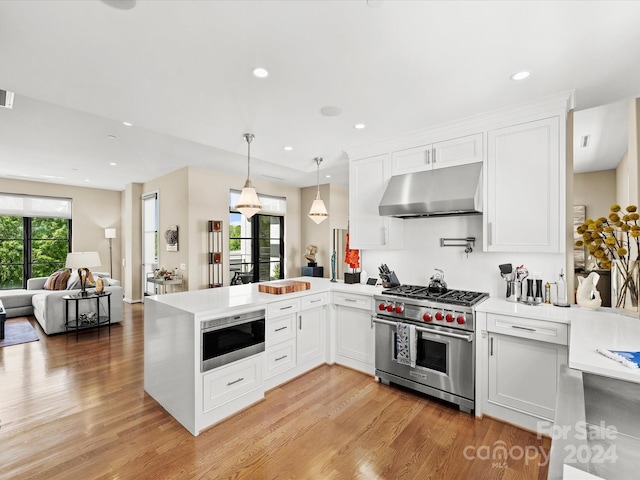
[(391, 280)]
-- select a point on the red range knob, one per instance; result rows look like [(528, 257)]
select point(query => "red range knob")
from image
[(460, 319), (382, 306), (389, 308), (399, 309), (439, 316), (426, 317), (449, 317)]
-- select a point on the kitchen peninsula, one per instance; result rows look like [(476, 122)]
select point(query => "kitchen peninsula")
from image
[(295, 340)]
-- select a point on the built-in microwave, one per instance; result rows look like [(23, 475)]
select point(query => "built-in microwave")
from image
[(225, 340)]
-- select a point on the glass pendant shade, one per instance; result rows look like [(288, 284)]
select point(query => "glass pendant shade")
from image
[(248, 203), (318, 212)]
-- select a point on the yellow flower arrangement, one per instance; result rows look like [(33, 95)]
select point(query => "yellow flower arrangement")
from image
[(611, 241)]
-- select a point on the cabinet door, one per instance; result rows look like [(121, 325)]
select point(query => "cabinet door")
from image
[(310, 336), (523, 188), (411, 160), (368, 179), (355, 334), (458, 151), (523, 374)]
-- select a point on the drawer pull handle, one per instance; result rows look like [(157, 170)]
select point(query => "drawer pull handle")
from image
[(528, 329), (280, 329), (281, 358), (235, 381), (316, 301), (491, 347), (287, 307), (350, 300)]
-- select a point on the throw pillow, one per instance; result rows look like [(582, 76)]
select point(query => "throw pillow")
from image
[(57, 280), (74, 281)]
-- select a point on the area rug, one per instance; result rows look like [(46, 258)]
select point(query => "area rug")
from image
[(18, 331)]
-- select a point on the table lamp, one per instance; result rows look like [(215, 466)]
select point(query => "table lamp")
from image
[(82, 261)]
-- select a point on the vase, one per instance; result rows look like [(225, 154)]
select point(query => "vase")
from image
[(625, 286)]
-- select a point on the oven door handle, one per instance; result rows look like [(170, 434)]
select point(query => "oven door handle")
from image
[(468, 338)]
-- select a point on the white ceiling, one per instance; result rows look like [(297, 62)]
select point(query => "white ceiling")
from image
[(180, 71)]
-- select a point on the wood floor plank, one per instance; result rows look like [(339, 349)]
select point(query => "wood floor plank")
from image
[(78, 410)]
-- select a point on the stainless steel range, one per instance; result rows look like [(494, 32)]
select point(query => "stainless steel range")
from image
[(442, 329)]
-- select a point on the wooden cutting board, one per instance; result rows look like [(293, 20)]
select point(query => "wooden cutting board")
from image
[(283, 286)]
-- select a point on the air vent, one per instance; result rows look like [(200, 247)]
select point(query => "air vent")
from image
[(584, 141), (6, 99)]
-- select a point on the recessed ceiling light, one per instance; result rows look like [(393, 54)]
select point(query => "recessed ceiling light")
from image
[(327, 176), (113, 164), (260, 72), (288, 148), (127, 124), (359, 126), (87, 180), (330, 111), (520, 75)]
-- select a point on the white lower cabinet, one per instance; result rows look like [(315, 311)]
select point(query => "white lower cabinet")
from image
[(280, 358), (355, 333), (228, 383), (522, 359), (310, 337)]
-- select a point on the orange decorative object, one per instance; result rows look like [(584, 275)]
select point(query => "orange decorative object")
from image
[(352, 256)]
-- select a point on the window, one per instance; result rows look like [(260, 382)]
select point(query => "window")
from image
[(256, 245), (35, 237)]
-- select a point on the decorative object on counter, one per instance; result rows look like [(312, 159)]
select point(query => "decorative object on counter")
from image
[(627, 358), (561, 291), (537, 297), (171, 237), (334, 259), (437, 283), (587, 295), (248, 203), (99, 285), (110, 233), (579, 254), (508, 273), (82, 261), (468, 243), (352, 258), (388, 277), (547, 293), (310, 254), (214, 242), (614, 242), (318, 212), (312, 270)]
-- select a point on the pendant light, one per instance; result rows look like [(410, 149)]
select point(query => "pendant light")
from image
[(318, 212), (248, 203)]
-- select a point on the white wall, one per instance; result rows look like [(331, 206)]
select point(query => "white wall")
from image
[(479, 272)]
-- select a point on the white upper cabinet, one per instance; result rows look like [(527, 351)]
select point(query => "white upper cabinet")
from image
[(523, 205), (449, 153), (368, 178)]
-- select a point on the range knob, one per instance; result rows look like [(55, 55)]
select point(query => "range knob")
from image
[(461, 319), (382, 306), (389, 308), (426, 317), (399, 309), (439, 316), (449, 317)]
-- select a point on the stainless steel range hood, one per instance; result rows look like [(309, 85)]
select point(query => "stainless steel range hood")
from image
[(445, 191)]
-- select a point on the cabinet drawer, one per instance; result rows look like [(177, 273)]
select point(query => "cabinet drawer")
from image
[(284, 307), (353, 300), (312, 301), (541, 330), (225, 384), (280, 358), (281, 328)]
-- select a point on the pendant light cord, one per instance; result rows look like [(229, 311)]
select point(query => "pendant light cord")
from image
[(249, 137), (318, 161)]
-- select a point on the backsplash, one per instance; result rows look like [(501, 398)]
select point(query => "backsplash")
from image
[(415, 263)]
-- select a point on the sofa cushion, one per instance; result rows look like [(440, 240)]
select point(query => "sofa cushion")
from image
[(58, 280), (15, 298)]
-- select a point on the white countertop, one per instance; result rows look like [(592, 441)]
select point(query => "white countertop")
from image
[(214, 301), (543, 311)]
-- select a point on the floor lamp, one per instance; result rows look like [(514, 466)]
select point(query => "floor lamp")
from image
[(110, 233)]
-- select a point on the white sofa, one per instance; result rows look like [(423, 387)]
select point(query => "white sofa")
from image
[(48, 306)]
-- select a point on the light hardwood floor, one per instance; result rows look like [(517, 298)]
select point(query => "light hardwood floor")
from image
[(79, 411)]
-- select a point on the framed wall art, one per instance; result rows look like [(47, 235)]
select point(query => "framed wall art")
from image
[(171, 237)]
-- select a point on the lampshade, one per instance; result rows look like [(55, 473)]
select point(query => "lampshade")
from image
[(318, 212), (83, 260), (109, 233), (248, 203)]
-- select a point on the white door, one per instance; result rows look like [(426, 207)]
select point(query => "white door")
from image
[(310, 338)]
